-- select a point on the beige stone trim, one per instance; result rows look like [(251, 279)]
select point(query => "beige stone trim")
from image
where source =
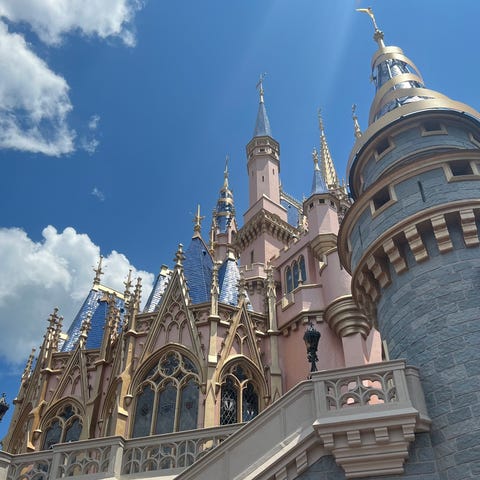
[(372, 272), (345, 318)]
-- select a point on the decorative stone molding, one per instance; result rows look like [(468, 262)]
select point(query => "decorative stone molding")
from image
[(322, 244), (367, 416), (262, 222), (372, 274), (345, 318)]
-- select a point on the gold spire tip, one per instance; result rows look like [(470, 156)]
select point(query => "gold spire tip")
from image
[(198, 221), (98, 271), (225, 172), (378, 35), (320, 120), (260, 85)]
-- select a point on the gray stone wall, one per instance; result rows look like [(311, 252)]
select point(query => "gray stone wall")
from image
[(411, 141), (430, 315)]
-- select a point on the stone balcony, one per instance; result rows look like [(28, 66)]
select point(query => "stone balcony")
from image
[(364, 416)]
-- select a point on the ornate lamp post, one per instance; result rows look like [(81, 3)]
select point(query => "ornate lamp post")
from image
[(311, 339), (4, 406)]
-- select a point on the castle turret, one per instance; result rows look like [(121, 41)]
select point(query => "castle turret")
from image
[(410, 241)]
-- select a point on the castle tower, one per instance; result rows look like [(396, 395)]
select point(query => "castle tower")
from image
[(266, 229), (411, 241)]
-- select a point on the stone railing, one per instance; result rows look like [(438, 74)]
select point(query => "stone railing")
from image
[(112, 457), (364, 416), (370, 412)]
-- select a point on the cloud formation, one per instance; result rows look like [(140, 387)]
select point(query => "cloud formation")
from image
[(98, 193), (34, 101), (57, 271), (52, 19)]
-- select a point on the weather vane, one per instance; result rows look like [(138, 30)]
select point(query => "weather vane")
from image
[(259, 86), (378, 35)]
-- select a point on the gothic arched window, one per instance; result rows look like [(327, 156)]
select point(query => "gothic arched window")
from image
[(289, 279), (65, 426), (239, 397), (167, 399), (303, 271), (295, 274)]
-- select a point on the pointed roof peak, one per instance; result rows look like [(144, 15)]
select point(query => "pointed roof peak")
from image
[(327, 167), (318, 183), (98, 272), (262, 125)]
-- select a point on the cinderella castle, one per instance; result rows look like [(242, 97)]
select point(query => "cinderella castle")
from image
[(218, 376)]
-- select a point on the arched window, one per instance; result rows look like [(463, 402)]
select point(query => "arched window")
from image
[(289, 279), (295, 274), (303, 271), (65, 426), (239, 398), (167, 399)]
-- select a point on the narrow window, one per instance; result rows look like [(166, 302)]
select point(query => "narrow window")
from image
[(460, 168), (422, 192), (295, 275), (263, 178), (251, 256), (432, 126), (381, 198), (383, 145), (289, 279)]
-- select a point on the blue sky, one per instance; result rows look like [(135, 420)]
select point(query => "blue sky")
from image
[(115, 123)]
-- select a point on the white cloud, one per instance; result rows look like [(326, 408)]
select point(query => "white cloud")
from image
[(52, 19), (98, 193), (57, 271), (34, 101), (93, 122)]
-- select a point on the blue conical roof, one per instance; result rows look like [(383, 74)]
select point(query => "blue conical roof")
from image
[(318, 183), (262, 125), (197, 268)]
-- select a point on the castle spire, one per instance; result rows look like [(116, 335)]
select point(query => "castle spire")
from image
[(197, 220), (356, 126), (98, 272), (327, 168), (262, 125), (318, 184)]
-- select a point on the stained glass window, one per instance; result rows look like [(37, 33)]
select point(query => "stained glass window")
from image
[(289, 279), (65, 426), (239, 397), (295, 274), (167, 400)]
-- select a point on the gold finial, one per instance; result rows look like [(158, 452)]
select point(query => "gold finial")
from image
[(128, 286), (225, 172), (98, 272), (356, 126), (28, 367), (241, 285), (260, 85), (179, 257), (315, 159), (198, 222), (84, 329), (378, 35)]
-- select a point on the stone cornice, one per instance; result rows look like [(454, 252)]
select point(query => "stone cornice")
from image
[(433, 160), (264, 222), (373, 273)]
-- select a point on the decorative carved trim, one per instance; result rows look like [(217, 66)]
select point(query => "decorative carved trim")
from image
[(442, 235), (323, 244), (345, 318), (372, 273), (469, 227), (264, 222)]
